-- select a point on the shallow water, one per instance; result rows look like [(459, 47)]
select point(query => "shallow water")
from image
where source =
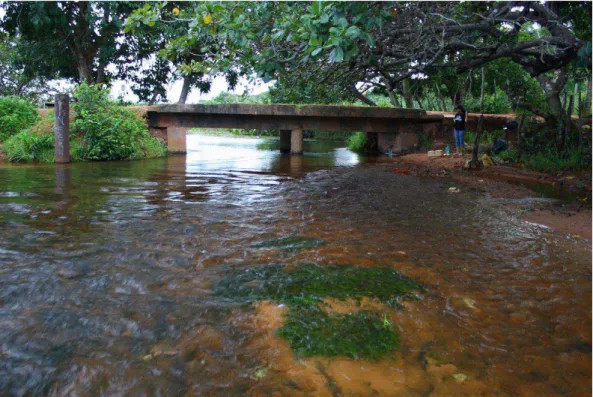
[(106, 274)]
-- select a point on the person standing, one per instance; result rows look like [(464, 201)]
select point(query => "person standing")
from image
[(459, 128)]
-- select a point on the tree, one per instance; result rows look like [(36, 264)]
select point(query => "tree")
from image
[(383, 44)]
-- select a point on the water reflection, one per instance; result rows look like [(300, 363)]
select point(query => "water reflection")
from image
[(261, 154)]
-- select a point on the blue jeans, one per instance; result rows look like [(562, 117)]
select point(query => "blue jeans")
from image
[(459, 137)]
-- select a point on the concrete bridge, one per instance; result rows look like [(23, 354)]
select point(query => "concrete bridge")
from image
[(390, 128), (393, 129)]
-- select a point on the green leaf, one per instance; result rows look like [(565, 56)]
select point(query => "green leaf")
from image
[(337, 54), (316, 7), (353, 32)]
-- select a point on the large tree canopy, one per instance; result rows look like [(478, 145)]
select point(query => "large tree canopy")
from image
[(380, 44)]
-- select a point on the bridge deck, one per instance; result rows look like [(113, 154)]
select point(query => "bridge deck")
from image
[(296, 110), (287, 117)]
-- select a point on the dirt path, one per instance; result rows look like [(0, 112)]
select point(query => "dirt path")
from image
[(569, 216)]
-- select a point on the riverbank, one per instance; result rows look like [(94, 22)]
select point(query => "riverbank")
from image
[(567, 203)]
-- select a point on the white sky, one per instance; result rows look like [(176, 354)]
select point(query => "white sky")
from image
[(174, 90)]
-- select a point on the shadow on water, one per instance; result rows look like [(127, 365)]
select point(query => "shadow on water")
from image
[(107, 273)]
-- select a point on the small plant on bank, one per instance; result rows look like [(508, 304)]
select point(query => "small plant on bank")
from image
[(357, 142), (26, 147), (16, 115)]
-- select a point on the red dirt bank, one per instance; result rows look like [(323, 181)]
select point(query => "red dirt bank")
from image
[(508, 182)]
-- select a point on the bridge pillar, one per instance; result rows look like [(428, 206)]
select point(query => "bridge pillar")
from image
[(176, 140), (296, 141), (284, 141)]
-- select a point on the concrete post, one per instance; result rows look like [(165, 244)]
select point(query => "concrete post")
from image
[(296, 141), (284, 141), (62, 128), (176, 140)]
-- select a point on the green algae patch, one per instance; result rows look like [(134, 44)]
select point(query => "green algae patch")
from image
[(310, 283), (290, 244), (312, 331)]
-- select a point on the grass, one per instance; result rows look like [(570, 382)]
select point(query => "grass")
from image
[(310, 330), (551, 161)]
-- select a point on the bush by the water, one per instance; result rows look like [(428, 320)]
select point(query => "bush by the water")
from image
[(109, 131), (26, 147), (16, 115), (357, 142), (549, 160)]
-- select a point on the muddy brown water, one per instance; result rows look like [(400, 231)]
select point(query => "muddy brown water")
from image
[(106, 272)]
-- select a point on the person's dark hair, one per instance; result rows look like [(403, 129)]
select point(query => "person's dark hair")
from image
[(459, 107)]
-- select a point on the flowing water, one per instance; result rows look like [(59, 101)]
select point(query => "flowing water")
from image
[(106, 275)]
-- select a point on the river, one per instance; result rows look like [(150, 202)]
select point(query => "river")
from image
[(107, 271)]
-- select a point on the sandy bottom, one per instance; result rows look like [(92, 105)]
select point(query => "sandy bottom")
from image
[(397, 375)]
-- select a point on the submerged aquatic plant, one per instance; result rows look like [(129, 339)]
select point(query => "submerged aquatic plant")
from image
[(310, 330), (313, 332)]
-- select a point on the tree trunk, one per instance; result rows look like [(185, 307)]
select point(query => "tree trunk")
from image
[(567, 131), (153, 98), (185, 89), (520, 137), (476, 148), (580, 114), (361, 97), (441, 100), (462, 92), (482, 91), (393, 98), (85, 73), (588, 97), (407, 93), (552, 90), (101, 72)]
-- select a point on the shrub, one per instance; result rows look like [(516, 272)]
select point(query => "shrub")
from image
[(549, 160), (16, 115), (109, 131), (26, 147), (357, 142)]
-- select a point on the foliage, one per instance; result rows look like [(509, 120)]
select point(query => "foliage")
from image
[(549, 160), (16, 114), (492, 104), (357, 142), (109, 131), (424, 142), (227, 97), (26, 147), (486, 137), (74, 40)]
